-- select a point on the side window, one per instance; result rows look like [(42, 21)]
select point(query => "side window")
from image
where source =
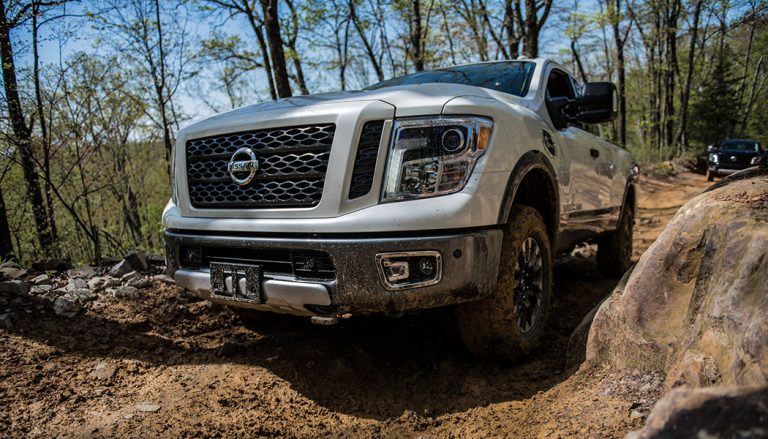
[(576, 86), (559, 86)]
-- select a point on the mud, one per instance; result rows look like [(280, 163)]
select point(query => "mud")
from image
[(166, 364)]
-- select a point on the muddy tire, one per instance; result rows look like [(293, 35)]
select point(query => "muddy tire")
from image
[(508, 325), (614, 251), (710, 175)]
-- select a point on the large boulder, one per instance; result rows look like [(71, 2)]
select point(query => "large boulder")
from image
[(724, 411), (696, 304), (694, 309)]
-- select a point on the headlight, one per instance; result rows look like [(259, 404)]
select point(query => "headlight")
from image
[(434, 156), (755, 160), (713, 158)]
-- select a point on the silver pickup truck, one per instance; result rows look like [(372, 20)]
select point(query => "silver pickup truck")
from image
[(455, 186)]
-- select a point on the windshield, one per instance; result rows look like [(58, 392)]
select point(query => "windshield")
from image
[(511, 77), (740, 145)]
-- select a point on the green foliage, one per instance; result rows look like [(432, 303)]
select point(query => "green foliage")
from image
[(716, 111)]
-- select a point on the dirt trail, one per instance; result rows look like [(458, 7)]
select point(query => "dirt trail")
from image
[(170, 365)]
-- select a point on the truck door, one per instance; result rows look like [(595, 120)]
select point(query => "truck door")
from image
[(587, 189)]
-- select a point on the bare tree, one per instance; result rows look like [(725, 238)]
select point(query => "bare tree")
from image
[(616, 17), (369, 50), (158, 49), (536, 13), (417, 37), (685, 91), (22, 131), (277, 55)]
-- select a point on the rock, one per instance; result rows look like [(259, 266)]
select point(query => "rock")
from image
[(104, 371), (76, 284), (576, 351), (9, 264), (131, 277), (41, 289), (43, 279), (154, 259), (163, 278), (120, 269), (135, 279), (66, 306), (125, 292), (14, 288), (726, 411), (12, 272), (72, 302), (95, 283), (85, 272), (694, 307), (57, 265), (137, 260), (148, 407), (110, 282), (6, 320)]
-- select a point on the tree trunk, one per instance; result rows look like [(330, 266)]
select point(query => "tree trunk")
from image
[(615, 7), (579, 65), (160, 89), (368, 48), (752, 96), (512, 28), (256, 26), (685, 92), (272, 26), (669, 70), (531, 38), (22, 134), (416, 44), (294, 51), (45, 141), (6, 246), (533, 25)]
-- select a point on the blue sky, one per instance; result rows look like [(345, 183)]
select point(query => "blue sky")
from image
[(61, 39)]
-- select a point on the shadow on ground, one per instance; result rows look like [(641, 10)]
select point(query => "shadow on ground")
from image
[(372, 367)]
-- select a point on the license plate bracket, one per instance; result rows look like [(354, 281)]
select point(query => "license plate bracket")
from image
[(252, 274)]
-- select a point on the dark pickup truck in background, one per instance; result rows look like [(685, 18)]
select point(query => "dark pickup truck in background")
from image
[(732, 155)]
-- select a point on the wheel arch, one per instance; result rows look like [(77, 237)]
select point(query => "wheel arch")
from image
[(531, 173)]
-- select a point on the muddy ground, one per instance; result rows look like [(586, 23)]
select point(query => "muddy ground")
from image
[(166, 364)]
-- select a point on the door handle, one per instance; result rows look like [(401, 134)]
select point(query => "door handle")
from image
[(594, 153)]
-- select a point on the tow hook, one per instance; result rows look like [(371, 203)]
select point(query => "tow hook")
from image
[(324, 320)]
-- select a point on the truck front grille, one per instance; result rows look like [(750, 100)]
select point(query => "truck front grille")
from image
[(291, 172), (303, 264), (365, 159)]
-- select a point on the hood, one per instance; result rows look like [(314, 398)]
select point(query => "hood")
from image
[(735, 152), (408, 100)]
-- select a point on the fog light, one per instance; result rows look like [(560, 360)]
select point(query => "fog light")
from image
[(415, 269), (427, 266)]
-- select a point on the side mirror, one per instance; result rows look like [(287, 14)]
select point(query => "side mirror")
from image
[(597, 104)]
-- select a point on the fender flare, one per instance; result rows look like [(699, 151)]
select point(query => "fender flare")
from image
[(631, 184), (531, 161)]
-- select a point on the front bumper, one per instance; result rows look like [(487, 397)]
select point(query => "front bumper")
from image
[(726, 171), (470, 265)]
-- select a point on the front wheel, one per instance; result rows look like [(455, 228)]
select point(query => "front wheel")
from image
[(508, 324)]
